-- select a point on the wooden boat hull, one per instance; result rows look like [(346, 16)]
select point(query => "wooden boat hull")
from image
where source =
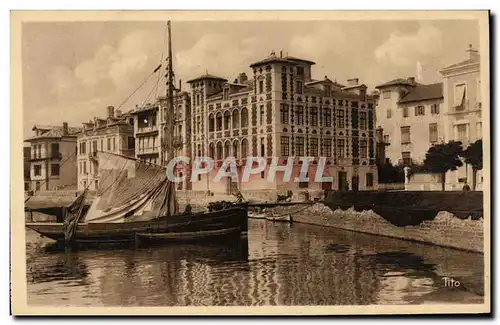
[(189, 236), (103, 233), (286, 218)]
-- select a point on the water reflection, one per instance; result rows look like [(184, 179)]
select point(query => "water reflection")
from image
[(280, 265)]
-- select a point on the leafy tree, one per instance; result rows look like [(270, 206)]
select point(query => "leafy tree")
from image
[(473, 156), (442, 158)]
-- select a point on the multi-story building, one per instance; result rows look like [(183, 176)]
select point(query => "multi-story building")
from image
[(53, 157), (149, 132), (115, 134), (411, 118), (283, 112), (26, 167), (462, 111)]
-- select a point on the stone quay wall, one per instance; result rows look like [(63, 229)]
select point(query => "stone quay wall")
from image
[(445, 230)]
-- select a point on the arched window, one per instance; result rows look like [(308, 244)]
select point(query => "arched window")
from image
[(244, 117), (227, 120), (236, 147), (219, 150), (211, 123), (211, 151), (219, 122), (236, 119), (227, 149), (244, 148)]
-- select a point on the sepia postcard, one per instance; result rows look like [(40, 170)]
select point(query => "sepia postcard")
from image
[(250, 162)]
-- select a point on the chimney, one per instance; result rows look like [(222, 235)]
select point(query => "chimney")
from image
[(411, 80), (111, 111), (281, 53), (473, 53), (242, 77), (65, 128), (118, 113), (352, 82), (180, 84)]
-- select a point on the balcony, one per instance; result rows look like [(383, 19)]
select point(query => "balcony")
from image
[(46, 155), (147, 130), (147, 151)]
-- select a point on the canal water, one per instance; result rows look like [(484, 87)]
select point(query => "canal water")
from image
[(282, 265)]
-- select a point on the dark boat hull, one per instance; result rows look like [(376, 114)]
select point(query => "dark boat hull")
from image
[(106, 233)]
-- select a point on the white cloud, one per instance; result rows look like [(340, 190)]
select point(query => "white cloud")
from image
[(320, 42), (110, 70), (406, 49), (218, 54)]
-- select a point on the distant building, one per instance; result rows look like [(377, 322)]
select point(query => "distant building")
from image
[(463, 111), (115, 134), (53, 157), (281, 112), (149, 132), (26, 167), (411, 117)]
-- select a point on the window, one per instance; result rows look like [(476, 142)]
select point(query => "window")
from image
[(300, 115), (198, 98), (83, 149), (54, 170), (328, 91), (219, 122), (313, 146), (37, 170), (386, 94), (54, 149), (261, 86), (130, 143), (459, 94), (300, 71), (227, 120), (433, 132), (37, 186), (363, 148), (406, 158), (369, 179), (261, 115), (419, 110), (314, 116), (84, 167), (300, 146), (462, 132), (226, 93), (340, 119), (236, 119), (114, 144), (405, 135), (108, 147), (299, 87), (326, 148), (262, 149), (478, 91), (284, 114), (153, 119), (479, 130), (341, 148), (327, 115), (435, 109), (244, 118), (405, 111), (362, 120), (389, 113), (386, 139)]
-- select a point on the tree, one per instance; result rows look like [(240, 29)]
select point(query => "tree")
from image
[(442, 158), (473, 156)]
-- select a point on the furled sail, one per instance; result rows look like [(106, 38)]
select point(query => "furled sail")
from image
[(130, 191), (73, 215)]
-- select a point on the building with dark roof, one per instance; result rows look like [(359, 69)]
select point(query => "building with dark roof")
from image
[(280, 111), (52, 158)]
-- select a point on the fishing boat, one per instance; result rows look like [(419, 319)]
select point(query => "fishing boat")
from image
[(137, 202)]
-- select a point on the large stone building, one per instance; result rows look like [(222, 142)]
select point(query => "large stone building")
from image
[(463, 111), (281, 112), (115, 134), (411, 117), (53, 157)]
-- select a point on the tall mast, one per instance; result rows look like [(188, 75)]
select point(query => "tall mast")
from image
[(169, 130)]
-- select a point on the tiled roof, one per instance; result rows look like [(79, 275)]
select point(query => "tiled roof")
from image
[(55, 132), (396, 82), (423, 92), (272, 59), (206, 76)]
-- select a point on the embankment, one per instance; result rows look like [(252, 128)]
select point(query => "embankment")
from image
[(444, 230)]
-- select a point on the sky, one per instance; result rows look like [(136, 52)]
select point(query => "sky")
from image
[(72, 71)]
